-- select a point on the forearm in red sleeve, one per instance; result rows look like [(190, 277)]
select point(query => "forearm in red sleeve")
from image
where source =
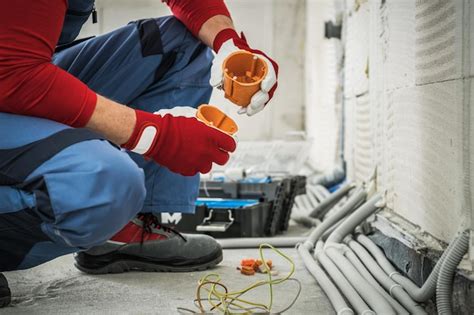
[(193, 14), (29, 83)]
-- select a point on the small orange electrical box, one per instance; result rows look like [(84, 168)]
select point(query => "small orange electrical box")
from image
[(243, 74), (213, 116), (250, 266)]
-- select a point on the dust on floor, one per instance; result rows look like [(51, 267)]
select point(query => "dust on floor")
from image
[(59, 288)]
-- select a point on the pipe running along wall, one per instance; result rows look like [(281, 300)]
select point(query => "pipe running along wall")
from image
[(361, 268), (334, 251), (336, 299), (353, 220), (422, 294), (344, 285), (334, 220), (322, 208), (388, 284), (400, 287), (254, 242), (373, 298), (358, 196), (444, 285)]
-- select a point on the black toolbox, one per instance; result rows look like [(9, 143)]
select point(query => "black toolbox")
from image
[(241, 209)]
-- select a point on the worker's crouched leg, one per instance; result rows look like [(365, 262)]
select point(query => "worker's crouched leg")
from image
[(93, 195), (77, 199)]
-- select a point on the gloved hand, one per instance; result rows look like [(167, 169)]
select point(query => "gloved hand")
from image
[(177, 140), (227, 42)]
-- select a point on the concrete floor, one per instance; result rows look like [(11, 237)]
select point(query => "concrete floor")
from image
[(59, 288)]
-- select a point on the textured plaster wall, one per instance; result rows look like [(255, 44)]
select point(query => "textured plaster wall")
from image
[(323, 84), (408, 95)]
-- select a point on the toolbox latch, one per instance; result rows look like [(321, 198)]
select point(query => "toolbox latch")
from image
[(208, 225)]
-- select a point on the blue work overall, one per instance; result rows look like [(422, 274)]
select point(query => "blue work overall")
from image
[(64, 189)]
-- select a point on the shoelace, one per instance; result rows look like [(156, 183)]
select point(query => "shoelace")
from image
[(150, 221)]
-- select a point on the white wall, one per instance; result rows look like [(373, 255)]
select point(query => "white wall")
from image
[(274, 26), (323, 65), (408, 96)]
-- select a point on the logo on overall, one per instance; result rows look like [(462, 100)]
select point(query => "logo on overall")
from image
[(171, 218)]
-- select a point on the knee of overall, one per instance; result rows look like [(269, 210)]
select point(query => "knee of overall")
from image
[(112, 191), (122, 185)]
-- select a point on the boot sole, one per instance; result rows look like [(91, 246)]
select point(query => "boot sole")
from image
[(5, 301), (121, 266)]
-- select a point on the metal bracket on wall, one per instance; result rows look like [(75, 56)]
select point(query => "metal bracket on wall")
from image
[(332, 30)]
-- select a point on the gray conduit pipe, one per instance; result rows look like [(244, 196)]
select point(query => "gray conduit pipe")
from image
[(346, 288), (299, 204), (326, 213), (391, 286), (306, 221), (319, 192), (326, 204), (373, 297), (368, 276), (328, 232), (304, 250), (333, 249), (305, 202), (254, 242), (418, 294), (337, 300), (314, 200), (353, 220), (309, 242), (444, 285), (337, 206), (353, 200), (322, 192)]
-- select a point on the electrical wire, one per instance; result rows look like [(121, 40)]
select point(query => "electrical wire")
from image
[(250, 309), (221, 299), (234, 306)]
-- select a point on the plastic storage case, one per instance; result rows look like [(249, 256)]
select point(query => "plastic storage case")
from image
[(242, 209), (228, 218)]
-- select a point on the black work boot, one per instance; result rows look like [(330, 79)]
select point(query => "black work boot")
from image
[(5, 293), (146, 245)]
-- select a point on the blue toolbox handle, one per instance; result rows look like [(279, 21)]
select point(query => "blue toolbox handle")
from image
[(220, 203)]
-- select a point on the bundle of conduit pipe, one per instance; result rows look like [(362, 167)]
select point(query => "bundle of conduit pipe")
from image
[(352, 270)]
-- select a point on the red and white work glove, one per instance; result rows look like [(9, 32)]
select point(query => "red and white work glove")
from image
[(227, 42), (176, 139)]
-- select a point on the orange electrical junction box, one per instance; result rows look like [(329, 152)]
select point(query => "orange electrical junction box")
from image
[(213, 116), (243, 74)]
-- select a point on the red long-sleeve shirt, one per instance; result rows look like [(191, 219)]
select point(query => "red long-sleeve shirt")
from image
[(194, 14), (31, 85)]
